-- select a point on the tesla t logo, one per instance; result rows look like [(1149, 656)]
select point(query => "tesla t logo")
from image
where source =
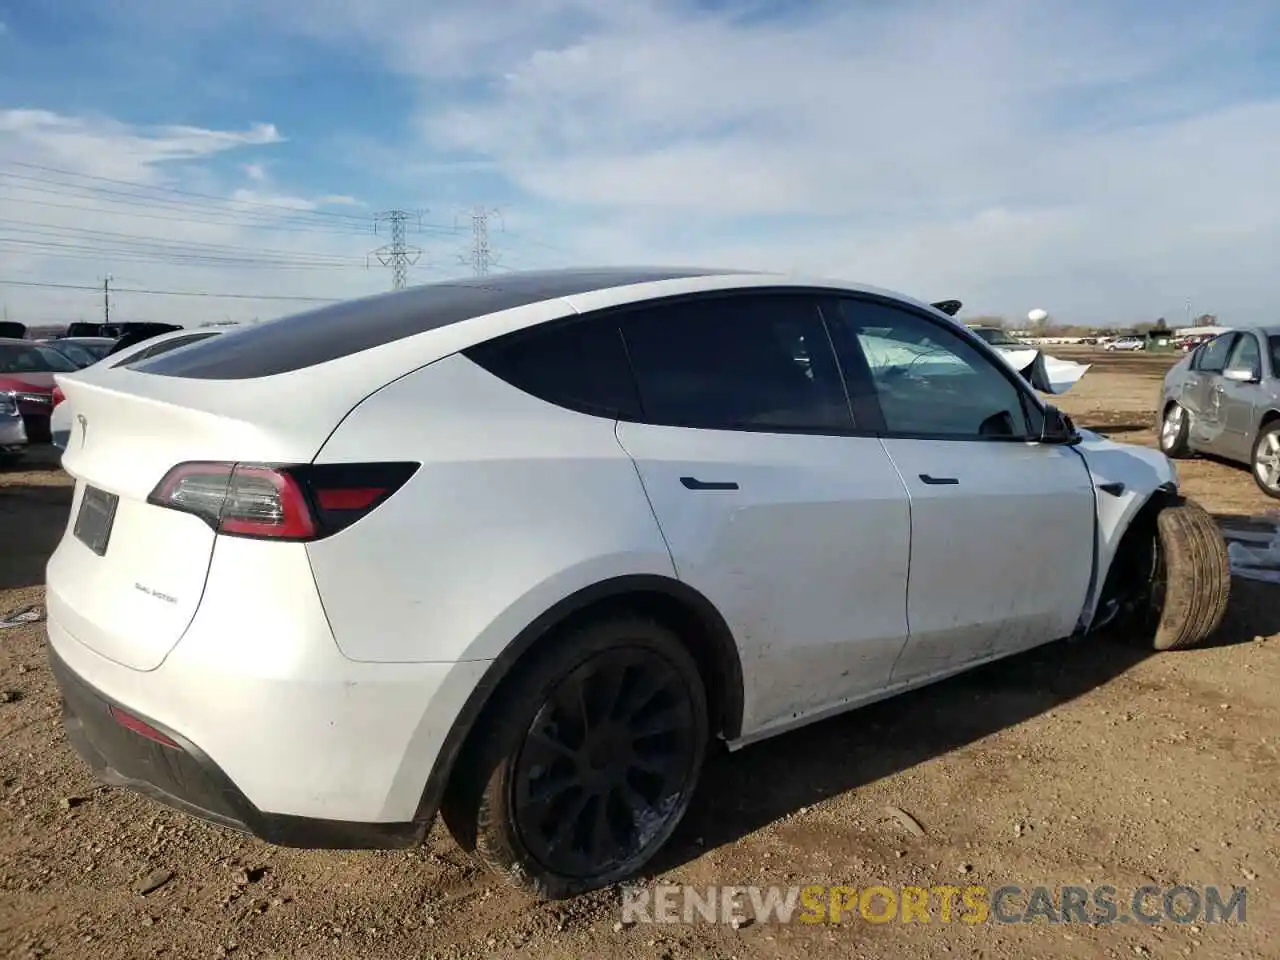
[(84, 429)]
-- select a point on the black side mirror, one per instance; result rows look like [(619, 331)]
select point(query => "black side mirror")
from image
[(1058, 428)]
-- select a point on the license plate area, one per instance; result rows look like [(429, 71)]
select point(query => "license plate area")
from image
[(96, 517)]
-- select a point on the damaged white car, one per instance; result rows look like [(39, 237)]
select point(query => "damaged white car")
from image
[(1047, 374), (524, 549)]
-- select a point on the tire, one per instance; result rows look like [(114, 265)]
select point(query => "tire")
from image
[(540, 844), (1175, 425), (1191, 580), (1265, 462)]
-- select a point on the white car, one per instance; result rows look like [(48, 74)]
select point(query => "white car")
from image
[(61, 420), (521, 549), (1126, 343), (1045, 373)]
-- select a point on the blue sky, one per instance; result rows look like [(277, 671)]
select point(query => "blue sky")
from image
[(1105, 161)]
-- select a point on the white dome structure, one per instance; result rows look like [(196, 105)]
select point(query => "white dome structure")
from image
[(1037, 315)]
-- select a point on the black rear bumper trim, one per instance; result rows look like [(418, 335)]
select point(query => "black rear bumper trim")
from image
[(185, 779)]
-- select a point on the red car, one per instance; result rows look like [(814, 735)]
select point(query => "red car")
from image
[(26, 374)]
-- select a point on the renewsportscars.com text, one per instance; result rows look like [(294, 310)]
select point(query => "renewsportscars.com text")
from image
[(814, 904)]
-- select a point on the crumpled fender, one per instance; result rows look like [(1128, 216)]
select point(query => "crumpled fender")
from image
[(1125, 477), (1044, 373)]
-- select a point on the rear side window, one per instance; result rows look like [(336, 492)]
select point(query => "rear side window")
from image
[(580, 365), (747, 362)]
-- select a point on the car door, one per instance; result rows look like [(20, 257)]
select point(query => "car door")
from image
[(1002, 526), (773, 505), (1201, 396), (1240, 394)]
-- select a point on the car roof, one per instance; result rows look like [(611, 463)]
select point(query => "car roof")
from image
[(83, 340), (464, 311)]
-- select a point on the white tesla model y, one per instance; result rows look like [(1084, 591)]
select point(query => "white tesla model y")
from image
[(519, 549)]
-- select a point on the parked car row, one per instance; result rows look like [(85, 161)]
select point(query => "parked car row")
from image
[(30, 400)]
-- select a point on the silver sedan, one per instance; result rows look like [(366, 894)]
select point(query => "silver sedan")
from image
[(1223, 399)]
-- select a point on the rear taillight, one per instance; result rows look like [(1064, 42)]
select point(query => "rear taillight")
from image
[(58, 397), (267, 501)]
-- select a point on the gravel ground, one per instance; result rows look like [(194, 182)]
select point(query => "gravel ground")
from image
[(1075, 764)]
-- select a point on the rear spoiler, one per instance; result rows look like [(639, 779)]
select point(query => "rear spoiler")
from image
[(949, 307)]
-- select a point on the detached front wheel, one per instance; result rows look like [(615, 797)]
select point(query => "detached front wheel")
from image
[(1190, 578)]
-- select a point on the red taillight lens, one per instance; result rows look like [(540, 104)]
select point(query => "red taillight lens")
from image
[(140, 727), (279, 502), (58, 396)]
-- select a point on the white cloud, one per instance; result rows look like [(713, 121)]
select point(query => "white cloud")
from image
[(1073, 154), (1105, 161), (83, 197)]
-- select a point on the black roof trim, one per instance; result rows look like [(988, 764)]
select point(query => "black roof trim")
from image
[(327, 333)]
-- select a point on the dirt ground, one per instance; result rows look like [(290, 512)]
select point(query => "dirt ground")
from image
[(1077, 764)]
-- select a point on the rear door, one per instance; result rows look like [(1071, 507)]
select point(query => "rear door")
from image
[(773, 505), (1002, 527), (1201, 395)]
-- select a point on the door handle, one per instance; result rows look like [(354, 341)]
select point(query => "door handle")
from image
[(693, 483), (938, 481)]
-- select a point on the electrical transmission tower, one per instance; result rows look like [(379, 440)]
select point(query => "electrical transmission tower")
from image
[(482, 256), (106, 299), (397, 254)]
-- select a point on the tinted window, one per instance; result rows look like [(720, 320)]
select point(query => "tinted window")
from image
[(163, 347), (740, 362), (581, 365), (32, 358), (929, 380), (317, 336), (1212, 357), (75, 353), (1273, 345), (1247, 356)]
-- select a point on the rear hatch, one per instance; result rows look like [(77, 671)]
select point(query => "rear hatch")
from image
[(127, 578)]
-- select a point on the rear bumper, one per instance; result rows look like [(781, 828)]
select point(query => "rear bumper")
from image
[(184, 778)]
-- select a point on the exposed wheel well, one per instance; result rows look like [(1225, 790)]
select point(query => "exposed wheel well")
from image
[(676, 606), (1127, 574), (1268, 418)]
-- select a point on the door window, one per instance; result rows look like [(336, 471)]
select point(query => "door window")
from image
[(1212, 357), (741, 362), (929, 380), (1246, 357)]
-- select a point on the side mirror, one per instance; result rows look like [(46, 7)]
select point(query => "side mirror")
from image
[(1241, 376), (1058, 428)]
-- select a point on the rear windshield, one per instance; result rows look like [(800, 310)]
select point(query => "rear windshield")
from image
[(157, 349), (317, 336), (32, 358)]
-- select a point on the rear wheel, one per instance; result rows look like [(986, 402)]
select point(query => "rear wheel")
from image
[(582, 770), (1188, 581), (1173, 432), (1266, 459)]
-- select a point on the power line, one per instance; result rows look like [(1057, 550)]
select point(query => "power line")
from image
[(397, 255), (169, 293)]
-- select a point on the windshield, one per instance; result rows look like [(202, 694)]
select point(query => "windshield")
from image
[(996, 337), (78, 354), (33, 358)]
